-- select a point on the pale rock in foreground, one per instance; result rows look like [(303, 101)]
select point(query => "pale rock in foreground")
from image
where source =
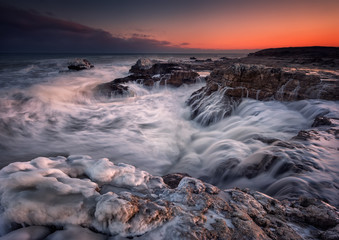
[(82, 198)]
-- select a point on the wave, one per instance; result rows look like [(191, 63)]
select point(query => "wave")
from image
[(152, 130)]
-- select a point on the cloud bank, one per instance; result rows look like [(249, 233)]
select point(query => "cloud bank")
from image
[(30, 31)]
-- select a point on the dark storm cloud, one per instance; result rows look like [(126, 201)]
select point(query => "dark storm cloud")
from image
[(30, 31)]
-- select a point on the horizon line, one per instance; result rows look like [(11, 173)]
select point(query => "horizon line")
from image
[(186, 51)]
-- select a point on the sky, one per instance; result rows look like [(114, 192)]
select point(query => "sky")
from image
[(165, 25)]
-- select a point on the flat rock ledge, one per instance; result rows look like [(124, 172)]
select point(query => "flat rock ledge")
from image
[(58, 197)]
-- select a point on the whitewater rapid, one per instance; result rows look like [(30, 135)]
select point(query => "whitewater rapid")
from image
[(56, 113)]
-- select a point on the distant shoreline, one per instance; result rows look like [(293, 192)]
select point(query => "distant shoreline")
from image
[(325, 51)]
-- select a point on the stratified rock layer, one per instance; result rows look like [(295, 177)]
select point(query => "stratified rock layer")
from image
[(263, 83)]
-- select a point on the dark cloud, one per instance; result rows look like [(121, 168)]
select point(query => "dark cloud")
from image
[(184, 44), (30, 31), (141, 35)]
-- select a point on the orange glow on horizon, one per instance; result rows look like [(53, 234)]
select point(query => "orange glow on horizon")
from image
[(267, 37), (267, 27)]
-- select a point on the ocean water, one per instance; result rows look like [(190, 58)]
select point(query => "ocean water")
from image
[(46, 110)]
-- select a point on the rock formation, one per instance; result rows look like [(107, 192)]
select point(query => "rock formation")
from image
[(150, 73), (260, 82), (48, 194), (142, 64), (263, 83), (173, 74), (79, 64)]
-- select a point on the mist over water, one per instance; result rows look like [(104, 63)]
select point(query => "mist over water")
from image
[(49, 111)]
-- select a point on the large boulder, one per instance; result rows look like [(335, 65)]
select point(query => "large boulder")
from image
[(141, 65), (79, 64)]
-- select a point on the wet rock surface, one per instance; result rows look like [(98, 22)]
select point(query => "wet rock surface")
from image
[(173, 180), (111, 90), (321, 121), (145, 207), (80, 64)]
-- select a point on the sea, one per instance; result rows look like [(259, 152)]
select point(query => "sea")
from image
[(48, 110)]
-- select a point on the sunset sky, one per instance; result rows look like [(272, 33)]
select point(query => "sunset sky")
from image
[(166, 26)]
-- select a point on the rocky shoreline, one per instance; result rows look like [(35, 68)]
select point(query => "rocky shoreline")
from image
[(98, 199), (54, 198), (261, 76)]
